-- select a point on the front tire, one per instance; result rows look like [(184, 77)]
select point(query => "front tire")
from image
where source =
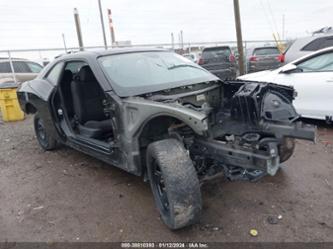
[(286, 149), (45, 140), (174, 183)]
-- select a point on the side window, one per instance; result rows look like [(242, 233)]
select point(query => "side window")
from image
[(54, 74), (5, 67), (75, 66), (34, 67), (313, 46), (21, 67), (320, 63), (327, 43), (319, 43)]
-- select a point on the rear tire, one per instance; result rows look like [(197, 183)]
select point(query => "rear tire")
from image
[(45, 140), (174, 183)]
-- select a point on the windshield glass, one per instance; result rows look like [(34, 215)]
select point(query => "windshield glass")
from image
[(217, 52), (153, 70)]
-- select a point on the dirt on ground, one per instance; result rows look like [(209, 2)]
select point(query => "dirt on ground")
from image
[(65, 195)]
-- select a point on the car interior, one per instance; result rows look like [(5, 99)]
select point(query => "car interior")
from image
[(84, 102)]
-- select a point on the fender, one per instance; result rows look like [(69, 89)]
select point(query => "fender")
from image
[(137, 112)]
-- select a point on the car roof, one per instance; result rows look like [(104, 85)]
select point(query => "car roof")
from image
[(3, 59), (208, 48), (263, 47), (112, 51)]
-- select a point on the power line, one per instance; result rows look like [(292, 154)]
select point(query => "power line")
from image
[(266, 16), (272, 15)]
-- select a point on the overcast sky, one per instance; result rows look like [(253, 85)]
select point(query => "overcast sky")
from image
[(40, 23)]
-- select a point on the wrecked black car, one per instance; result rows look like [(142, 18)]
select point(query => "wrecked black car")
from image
[(157, 115)]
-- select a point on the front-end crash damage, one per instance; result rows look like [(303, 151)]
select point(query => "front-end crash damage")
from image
[(252, 133), (241, 129)]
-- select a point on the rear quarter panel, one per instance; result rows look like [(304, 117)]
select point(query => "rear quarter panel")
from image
[(37, 93)]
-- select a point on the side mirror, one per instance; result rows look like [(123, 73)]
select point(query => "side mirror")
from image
[(289, 68)]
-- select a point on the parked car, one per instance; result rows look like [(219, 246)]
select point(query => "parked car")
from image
[(312, 77), (263, 58), (155, 114), (192, 57), (219, 61), (306, 45), (24, 69)]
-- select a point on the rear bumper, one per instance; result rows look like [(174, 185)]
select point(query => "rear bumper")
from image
[(257, 68)]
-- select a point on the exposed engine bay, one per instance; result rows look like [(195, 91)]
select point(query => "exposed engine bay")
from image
[(252, 127)]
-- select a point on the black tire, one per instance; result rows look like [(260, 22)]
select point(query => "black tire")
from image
[(286, 149), (174, 183), (45, 140)]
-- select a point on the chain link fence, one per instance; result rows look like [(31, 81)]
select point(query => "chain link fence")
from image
[(11, 63)]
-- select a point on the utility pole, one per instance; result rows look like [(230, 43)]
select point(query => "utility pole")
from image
[(182, 39), (113, 39), (172, 41), (239, 37), (102, 23), (63, 39), (78, 28)]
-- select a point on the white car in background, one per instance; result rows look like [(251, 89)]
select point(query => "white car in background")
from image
[(192, 57), (312, 78)]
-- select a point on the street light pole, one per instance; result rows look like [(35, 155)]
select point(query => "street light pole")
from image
[(172, 41), (78, 28), (102, 23), (113, 39), (239, 37), (63, 39), (182, 40)]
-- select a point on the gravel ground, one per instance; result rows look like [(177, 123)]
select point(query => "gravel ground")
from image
[(68, 196)]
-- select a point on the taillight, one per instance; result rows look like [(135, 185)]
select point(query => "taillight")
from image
[(281, 58), (232, 58), (201, 61), (253, 58)]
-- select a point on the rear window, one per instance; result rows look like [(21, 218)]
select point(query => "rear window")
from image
[(75, 66), (319, 43), (266, 51), (218, 52)]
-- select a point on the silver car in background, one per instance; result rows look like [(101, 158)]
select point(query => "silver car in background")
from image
[(24, 69), (306, 45)]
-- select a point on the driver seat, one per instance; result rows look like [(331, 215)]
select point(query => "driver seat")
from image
[(88, 106)]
